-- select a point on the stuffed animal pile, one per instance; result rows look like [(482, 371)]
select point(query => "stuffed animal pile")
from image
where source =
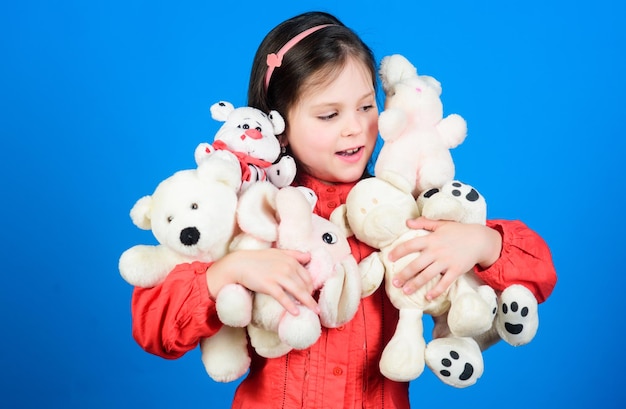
[(239, 197)]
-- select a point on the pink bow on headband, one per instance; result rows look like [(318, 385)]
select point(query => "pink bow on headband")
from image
[(276, 60)]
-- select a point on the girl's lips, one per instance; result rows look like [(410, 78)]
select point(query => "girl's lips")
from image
[(351, 155)]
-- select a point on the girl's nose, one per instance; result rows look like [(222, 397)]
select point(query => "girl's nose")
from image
[(352, 126)]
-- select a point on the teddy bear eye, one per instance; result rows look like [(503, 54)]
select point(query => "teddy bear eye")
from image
[(329, 238), (170, 218), (194, 206)]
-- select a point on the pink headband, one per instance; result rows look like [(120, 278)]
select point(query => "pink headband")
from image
[(275, 60)]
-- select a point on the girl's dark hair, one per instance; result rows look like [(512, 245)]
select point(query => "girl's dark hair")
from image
[(322, 53)]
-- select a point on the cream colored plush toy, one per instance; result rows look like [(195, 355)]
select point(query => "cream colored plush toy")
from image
[(458, 361), (251, 135), (192, 216), (376, 212), (417, 138), (268, 216)]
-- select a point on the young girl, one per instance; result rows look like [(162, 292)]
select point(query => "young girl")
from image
[(321, 77)]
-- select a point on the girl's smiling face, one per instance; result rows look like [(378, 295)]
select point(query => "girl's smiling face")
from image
[(332, 129)]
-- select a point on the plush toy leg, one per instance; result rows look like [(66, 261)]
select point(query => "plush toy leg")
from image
[(469, 314), (403, 357), (300, 331), (455, 361), (234, 305), (267, 343), (517, 320), (225, 354)]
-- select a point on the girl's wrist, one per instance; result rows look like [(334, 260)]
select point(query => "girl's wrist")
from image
[(492, 249)]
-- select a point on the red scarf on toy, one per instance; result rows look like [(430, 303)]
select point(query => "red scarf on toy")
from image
[(244, 159)]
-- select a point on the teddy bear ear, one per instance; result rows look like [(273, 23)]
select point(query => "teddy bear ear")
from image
[(221, 110), (339, 217), (140, 213), (277, 121)]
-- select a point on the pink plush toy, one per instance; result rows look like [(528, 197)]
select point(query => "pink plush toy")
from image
[(269, 216), (417, 138)]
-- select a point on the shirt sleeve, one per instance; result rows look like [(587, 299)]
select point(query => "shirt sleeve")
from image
[(525, 259), (170, 319)]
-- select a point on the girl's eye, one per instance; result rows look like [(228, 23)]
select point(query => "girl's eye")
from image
[(327, 117), (367, 107)]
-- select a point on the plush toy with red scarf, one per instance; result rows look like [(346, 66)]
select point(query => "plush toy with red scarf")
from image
[(250, 135)]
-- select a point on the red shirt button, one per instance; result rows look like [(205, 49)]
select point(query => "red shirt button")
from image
[(337, 371), (332, 205)]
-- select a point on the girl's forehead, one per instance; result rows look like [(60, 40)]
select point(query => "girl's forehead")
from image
[(339, 81)]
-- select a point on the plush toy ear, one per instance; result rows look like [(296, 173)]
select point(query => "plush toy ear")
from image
[(277, 121), (140, 213), (296, 220), (393, 69), (432, 83), (256, 211), (221, 166), (339, 216), (221, 110)]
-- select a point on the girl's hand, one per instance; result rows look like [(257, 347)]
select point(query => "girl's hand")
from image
[(451, 249), (278, 273)]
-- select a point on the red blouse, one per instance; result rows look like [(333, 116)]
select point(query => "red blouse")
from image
[(341, 368)]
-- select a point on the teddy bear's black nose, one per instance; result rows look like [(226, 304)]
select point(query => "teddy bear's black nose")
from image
[(189, 236)]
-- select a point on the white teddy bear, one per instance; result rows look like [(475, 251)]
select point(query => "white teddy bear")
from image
[(458, 361), (251, 135), (192, 216), (417, 137)]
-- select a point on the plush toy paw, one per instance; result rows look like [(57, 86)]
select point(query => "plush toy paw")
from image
[(300, 331), (267, 343), (283, 172), (517, 319), (403, 357), (234, 305), (455, 361), (225, 354), (469, 315), (372, 273)]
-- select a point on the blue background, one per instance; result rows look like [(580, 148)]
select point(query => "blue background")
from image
[(101, 100)]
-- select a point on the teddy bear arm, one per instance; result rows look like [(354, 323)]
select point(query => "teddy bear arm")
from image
[(372, 271), (147, 266), (283, 172), (453, 130), (391, 123)]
